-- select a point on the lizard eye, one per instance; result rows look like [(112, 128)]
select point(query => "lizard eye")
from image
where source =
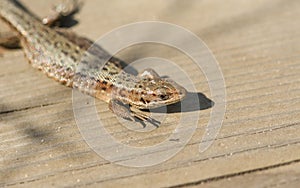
[(164, 97)]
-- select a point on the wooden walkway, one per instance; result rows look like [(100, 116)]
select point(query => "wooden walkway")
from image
[(257, 44)]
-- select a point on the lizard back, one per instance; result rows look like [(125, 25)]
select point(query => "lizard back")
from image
[(65, 61)]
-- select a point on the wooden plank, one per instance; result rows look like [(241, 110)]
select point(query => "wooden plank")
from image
[(257, 46)]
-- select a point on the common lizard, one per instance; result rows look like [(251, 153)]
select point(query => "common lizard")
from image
[(58, 55)]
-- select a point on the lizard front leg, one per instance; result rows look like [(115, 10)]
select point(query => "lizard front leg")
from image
[(120, 109), (128, 112)]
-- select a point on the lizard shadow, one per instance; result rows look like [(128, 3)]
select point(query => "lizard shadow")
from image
[(194, 101)]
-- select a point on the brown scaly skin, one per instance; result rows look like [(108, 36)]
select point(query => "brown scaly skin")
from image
[(63, 57)]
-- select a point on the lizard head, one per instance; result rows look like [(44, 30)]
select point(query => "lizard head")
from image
[(156, 92)]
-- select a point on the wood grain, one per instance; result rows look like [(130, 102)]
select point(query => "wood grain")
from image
[(257, 46)]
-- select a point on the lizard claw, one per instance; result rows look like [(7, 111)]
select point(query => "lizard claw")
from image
[(130, 113), (142, 117)]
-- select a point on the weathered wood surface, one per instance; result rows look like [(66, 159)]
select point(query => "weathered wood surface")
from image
[(257, 44)]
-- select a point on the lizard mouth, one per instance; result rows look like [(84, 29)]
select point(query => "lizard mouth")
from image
[(171, 98), (179, 94), (162, 93)]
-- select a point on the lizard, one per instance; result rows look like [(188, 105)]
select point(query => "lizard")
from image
[(65, 57)]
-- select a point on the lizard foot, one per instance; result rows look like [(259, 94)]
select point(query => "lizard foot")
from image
[(130, 113), (63, 10)]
